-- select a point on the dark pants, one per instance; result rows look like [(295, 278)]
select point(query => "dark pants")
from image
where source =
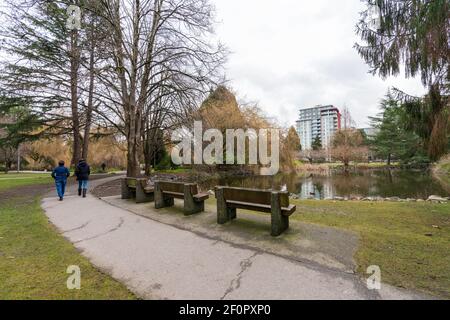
[(61, 187)]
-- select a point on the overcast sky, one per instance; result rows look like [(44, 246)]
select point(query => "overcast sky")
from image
[(292, 54)]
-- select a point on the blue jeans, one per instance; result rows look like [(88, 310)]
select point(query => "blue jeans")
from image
[(83, 184), (61, 187)]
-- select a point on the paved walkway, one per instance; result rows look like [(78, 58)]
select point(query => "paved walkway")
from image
[(158, 261)]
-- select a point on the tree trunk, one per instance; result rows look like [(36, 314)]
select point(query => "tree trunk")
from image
[(148, 158), (389, 159), (87, 128), (134, 142), (6, 163), (74, 65)]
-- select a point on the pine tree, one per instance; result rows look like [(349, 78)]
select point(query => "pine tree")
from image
[(392, 140), (317, 143), (413, 33), (51, 66)]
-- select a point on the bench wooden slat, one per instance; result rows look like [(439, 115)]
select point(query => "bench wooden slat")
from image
[(131, 183), (274, 202), (167, 191), (177, 195), (149, 189), (249, 205), (289, 210), (201, 196), (248, 195)]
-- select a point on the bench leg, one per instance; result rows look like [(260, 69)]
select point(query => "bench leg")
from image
[(160, 200), (169, 202), (190, 205), (279, 222), (126, 193), (231, 213), (224, 214), (141, 196)]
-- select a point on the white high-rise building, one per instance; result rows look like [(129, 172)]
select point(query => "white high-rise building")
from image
[(320, 121)]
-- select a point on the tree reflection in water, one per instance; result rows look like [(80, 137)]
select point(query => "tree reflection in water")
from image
[(358, 183)]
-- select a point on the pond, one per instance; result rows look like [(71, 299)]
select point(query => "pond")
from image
[(419, 184)]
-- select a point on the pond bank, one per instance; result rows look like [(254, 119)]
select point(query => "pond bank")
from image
[(408, 241), (372, 184), (432, 198), (441, 171)]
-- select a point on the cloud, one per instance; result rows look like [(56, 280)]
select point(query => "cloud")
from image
[(292, 54)]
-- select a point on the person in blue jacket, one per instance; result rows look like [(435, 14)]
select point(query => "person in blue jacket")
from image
[(82, 172), (60, 174)]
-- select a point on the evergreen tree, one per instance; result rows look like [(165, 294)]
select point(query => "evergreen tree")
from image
[(38, 70), (51, 66), (317, 143), (414, 33), (392, 140), (18, 125)]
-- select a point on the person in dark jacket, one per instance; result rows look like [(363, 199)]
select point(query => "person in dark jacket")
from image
[(82, 172), (60, 174)]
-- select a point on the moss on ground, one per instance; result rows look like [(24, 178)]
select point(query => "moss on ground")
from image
[(34, 257), (409, 241)]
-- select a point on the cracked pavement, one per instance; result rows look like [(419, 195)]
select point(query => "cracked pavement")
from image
[(158, 261)]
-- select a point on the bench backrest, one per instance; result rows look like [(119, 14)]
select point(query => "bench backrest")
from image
[(131, 182), (177, 187), (256, 196)]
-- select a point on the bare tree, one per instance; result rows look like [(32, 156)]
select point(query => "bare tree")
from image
[(348, 145), (347, 120), (161, 63)]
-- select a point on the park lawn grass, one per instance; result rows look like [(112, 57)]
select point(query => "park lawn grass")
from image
[(10, 180), (393, 235), (34, 259)]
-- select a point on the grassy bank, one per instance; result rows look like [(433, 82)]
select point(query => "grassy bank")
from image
[(302, 167), (442, 172), (34, 257), (401, 238)]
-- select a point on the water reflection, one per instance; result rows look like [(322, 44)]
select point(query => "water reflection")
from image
[(359, 183)]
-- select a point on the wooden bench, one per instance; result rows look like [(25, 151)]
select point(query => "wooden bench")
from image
[(137, 188), (276, 202), (166, 192)]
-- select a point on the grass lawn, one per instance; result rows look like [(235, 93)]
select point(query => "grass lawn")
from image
[(34, 257), (393, 236), (11, 180)]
